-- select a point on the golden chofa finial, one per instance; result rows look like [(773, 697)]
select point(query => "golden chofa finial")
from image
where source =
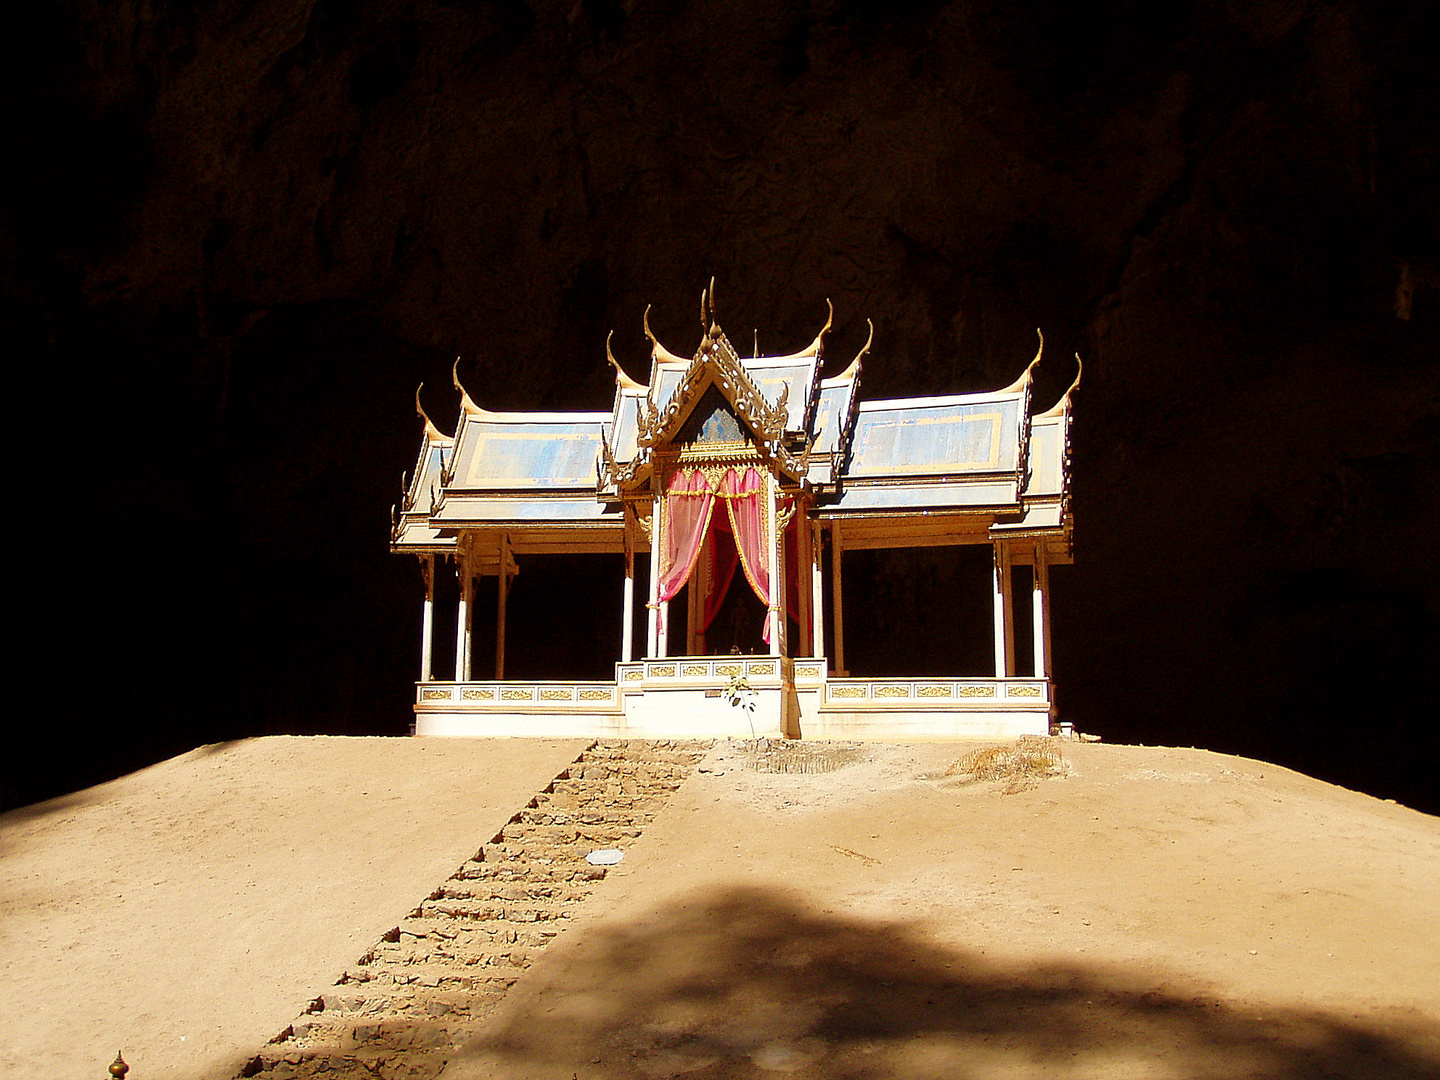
[(433, 433), (1058, 409), (625, 381), (854, 369), (1019, 384), (819, 342), (467, 404), (118, 1068), (707, 311), (658, 351), (814, 348)]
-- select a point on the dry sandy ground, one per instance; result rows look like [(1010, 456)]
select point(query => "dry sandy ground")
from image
[(1153, 913), (1156, 913), (189, 911)]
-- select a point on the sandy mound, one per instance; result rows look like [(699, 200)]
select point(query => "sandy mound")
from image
[(189, 911), (1138, 912)]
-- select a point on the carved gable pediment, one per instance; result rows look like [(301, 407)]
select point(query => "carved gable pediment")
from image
[(713, 422), (715, 365)]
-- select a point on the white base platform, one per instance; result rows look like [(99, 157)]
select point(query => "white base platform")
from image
[(736, 697)]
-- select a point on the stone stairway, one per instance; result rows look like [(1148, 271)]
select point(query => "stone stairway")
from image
[(429, 983)]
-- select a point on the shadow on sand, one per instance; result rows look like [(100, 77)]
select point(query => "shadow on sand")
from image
[(16, 818), (750, 983), (14, 823)]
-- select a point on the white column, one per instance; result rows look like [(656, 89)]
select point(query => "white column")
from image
[(777, 570), (1040, 612), (1004, 630), (654, 645), (627, 615), (504, 583), (817, 594), (462, 620), (837, 595), (427, 622)]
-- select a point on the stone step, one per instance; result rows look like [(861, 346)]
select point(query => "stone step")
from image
[(522, 870), (567, 839), (598, 814), (392, 1033), (464, 949), (347, 1033), (478, 932), (643, 755), (550, 891), (500, 911), (406, 979), (446, 969), (431, 981), (536, 859)]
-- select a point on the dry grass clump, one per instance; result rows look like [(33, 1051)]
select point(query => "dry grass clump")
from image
[(1033, 758)]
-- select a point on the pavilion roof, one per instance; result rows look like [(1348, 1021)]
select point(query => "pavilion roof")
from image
[(975, 461), (529, 470), (411, 530), (1045, 495), (776, 397)]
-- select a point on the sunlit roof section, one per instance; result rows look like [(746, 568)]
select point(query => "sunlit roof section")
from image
[(534, 454), (937, 437)]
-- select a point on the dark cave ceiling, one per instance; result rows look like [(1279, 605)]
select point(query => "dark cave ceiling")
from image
[(236, 237)]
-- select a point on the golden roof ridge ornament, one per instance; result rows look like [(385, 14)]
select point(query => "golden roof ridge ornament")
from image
[(432, 433), (767, 421), (816, 347), (853, 371), (1059, 408), (467, 404), (658, 351), (625, 381), (818, 344), (1019, 384)]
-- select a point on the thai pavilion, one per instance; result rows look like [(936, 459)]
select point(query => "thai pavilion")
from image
[(763, 465)]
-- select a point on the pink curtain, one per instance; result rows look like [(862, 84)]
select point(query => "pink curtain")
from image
[(689, 506), (688, 503), (745, 502)]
